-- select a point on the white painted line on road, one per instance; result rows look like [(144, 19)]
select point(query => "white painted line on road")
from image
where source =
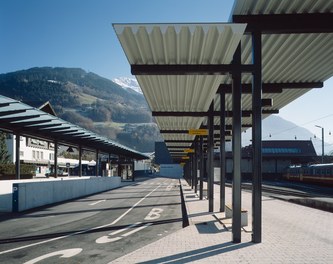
[(97, 202), (120, 217), (80, 232), (106, 239), (67, 253), (136, 230)]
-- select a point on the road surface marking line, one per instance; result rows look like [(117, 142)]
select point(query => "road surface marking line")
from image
[(80, 232), (97, 202), (136, 230), (67, 253), (106, 239)]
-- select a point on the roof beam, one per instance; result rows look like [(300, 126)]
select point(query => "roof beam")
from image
[(17, 118), (171, 131), (245, 113), (272, 87), (185, 131), (287, 23), (227, 127), (29, 123), (178, 141), (12, 112), (187, 69)]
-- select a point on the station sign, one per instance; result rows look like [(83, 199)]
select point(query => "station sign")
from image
[(189, 150), (185, 158), (198, 132)]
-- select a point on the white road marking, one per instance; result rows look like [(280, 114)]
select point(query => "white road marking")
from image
[(154, 214), (81, 232), (97, 202), (136, 230), (67, 253), (106, 239)]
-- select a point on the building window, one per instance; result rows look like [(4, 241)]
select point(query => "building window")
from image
[(41, 155), (37, 156), (51, 156), (33, 154), (21, 153)]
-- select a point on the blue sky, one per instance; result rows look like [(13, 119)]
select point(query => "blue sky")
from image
[(79, 33)]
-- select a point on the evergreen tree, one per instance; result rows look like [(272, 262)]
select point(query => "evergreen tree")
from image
[(4, 156)]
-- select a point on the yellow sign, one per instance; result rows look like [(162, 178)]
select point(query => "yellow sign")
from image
[(185, 158), (198, 132), (182, 164), (189, 150)]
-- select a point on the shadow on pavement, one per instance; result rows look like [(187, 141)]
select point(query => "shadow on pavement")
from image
[(198, 254)]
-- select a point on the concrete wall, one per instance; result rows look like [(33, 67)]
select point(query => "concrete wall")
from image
[(30, 194), (171, 170)]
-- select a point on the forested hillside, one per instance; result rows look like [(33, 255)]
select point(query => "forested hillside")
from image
[(88, 100)]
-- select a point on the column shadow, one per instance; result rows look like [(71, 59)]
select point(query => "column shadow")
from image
[(198, 254)]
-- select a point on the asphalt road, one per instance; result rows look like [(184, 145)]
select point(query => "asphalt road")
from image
[(95, 229)]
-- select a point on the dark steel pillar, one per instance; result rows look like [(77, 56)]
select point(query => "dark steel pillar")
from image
[(222, 152), (201, 168), (192, 169), (17, 156), (56, 159), (80, 160), (210, 153), (195, 155), (119, 167), (236, 147), (97, 162), (256, 138)]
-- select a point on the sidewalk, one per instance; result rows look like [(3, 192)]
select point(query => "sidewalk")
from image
[(291, 234)]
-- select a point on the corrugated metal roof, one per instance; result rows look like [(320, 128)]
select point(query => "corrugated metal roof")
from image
[(170, 44), (255, 7), (29, 121), (286, 58)]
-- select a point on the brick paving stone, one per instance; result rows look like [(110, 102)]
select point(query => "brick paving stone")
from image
[(291, 234)]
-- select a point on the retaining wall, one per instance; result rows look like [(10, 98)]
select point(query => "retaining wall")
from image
[(27, 195)]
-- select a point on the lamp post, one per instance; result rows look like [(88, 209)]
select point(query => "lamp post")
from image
[(322, 143)]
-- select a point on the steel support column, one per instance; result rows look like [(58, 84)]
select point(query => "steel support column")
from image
[(210, 153), (17, 156), (201, 168), (80, 160), (195, 154), (256, 138), (56, 159), (192, 169), (97, 162), (222, 152), (236, 147)]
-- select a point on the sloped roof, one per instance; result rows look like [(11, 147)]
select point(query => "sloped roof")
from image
[(29, 121)]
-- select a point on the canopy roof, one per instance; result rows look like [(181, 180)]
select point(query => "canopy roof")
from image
[(181, 68), (26, 120)]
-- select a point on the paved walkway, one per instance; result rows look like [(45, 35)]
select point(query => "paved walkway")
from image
[(291, 234)]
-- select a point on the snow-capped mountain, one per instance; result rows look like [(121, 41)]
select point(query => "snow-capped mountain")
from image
[(127, 82)]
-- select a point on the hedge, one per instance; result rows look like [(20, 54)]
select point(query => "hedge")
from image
[(7, 171)]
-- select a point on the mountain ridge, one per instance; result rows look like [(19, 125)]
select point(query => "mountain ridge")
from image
[(88, 100)]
